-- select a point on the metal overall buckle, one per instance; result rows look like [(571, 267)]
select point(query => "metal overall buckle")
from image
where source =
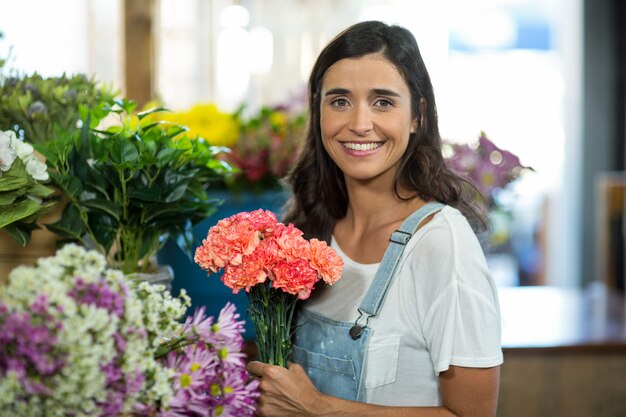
[(357, 330)]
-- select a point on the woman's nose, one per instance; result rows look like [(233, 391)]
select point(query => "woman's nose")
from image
[(360, 121)]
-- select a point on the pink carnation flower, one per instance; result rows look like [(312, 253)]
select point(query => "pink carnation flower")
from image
[(291, 244), (234, 237), (326, 261), (253, 246), (296, 277)]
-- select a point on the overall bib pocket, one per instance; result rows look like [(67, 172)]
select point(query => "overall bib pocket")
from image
[(382, 362), (323, 369)]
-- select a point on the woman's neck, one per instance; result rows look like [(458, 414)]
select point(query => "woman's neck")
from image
[(373, 214)]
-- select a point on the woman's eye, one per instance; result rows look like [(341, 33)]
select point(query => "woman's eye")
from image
[(340, 102), (384, 103)]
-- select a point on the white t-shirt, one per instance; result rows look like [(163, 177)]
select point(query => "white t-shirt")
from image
[(441, 310)]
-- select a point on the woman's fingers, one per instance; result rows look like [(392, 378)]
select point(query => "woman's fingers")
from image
[(257, 368)]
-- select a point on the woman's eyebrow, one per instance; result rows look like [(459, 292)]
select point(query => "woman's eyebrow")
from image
[(376, 91), (385, 92), (336, 91)]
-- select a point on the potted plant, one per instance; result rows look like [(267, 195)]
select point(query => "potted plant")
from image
[(37, 109), (132, 185)]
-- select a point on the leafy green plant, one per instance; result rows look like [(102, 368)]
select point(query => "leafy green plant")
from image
[(23, 197), (132, 185), (39, 108)]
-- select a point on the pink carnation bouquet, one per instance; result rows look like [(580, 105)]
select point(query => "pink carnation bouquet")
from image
[(275, 265)]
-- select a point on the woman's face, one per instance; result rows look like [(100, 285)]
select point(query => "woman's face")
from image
[(365, 117)]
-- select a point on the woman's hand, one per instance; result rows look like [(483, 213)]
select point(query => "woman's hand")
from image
[(285, 392)]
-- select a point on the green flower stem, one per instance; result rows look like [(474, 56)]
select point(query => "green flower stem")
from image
[(272, 311), (176, 343)]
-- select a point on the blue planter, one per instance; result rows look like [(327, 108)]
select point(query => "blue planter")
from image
[(208, 290)]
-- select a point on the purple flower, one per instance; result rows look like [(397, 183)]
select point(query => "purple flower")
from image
[(199, 325), (485, 165), (210, 375), (28, 345), (99, 294)]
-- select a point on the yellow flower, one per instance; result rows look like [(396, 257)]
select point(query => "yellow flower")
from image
[(206, 121), (278, 119)]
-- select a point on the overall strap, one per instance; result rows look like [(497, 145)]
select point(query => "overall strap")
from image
[(386, 271)]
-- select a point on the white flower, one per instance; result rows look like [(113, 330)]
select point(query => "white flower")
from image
[(37, 169), (7, 154), (12, 147), (24, 150)]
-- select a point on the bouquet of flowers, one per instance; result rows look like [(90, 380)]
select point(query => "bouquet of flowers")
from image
[(488, 167), (275, 265), (22, 196), (78, 339)]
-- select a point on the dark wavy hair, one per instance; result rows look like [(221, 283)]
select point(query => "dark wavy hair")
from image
[(319, 195)]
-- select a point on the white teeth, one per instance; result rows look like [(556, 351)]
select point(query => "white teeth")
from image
[(361, 146)]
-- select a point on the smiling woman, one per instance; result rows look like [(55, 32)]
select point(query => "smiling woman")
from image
[(402, 333)]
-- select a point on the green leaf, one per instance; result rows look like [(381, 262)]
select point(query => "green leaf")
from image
[(127, 105), (149, 242), (42, 209), (161, 210), (124, 154), (143, 114), (146, 194), (20, 232), (103, 206), (68, 183), (8, 197), (177, 192), (70, 225), (15, 178), (104, 229), (39, 190), (166, 155), (176, 177), (17, 212), (220, 167), (185, 241)]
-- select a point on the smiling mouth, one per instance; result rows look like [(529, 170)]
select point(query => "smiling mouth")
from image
[(359, 146)]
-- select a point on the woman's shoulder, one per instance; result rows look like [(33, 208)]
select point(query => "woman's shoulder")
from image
[(448, 226), (446, 252), (447, 239)]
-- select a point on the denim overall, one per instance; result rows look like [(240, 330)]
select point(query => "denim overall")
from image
[(333, 352)]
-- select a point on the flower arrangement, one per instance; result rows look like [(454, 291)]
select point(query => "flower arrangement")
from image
[(275, 265), (23, 197), (79, 339), (267, 148), (488, 167), (131, 185), (261, 148)]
